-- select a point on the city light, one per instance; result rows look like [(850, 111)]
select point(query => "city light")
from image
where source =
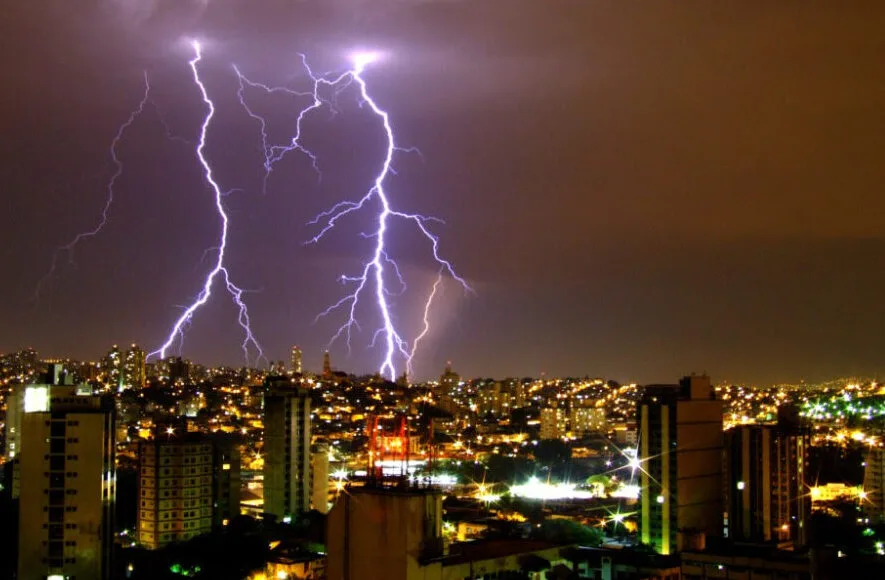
[(536, 489)]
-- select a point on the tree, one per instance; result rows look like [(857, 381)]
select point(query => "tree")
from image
[(552, 452)]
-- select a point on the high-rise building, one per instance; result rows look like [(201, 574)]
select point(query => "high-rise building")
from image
[(679, 463), (766, 494), (133, 367), (68, 482), (319, 478), (15, 408), (874, 484), (493, 399), (179, 369), (297, 367), (554, 423), (327, 365), (112, 367), (188, 485), (449, 381), (286, 448)]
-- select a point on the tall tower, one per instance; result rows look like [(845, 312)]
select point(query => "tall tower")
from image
[(765, 492), (327, 365), (449, 381), (874, 483), (286, 448), (68, 482), (112, 365), (134, 367), (680, 463), (319, 477), (297, 367)]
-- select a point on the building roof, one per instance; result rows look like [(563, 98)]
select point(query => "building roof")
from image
[(463, 552)]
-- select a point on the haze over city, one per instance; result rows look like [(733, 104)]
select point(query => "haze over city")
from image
[(633, 191)]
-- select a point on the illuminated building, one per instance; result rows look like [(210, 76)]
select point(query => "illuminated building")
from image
[(495, 399), (133, 367), (188, 485), (15, 407), (68, 482), (679, 463), (766, 496), (554, 423), (319, 478), (287, 489), (297, 367), (112, 367), (587, 420), (327, 365), (449, 381), (874, 484)]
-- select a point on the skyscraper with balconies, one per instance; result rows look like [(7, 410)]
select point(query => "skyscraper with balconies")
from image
[(287, 485), (68, 481), (679, 463)]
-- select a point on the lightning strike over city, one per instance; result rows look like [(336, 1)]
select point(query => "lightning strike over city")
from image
[(372, 280), (219, 270), (259, 352), (69, 248)]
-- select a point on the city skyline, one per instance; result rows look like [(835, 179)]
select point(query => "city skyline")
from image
[(714, 210)]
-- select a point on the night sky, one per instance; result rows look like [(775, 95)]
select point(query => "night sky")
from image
[(635, 190)]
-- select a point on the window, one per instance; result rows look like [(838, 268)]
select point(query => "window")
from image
[(57, 429), (57, 463)]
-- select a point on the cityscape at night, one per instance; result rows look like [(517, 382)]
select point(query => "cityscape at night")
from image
[(441, 290)]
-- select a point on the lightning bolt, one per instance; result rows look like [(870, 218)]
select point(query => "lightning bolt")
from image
[(69, 248), (372, 277), (219, 270), (426, 328)]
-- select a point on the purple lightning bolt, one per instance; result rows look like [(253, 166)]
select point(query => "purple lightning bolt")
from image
[(372, 275), (109, 199), (219, 269)]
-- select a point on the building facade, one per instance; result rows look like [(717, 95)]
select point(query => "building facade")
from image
[(766, 492), (134, 374), (554, 423), (297, 361), (287, 486), (319, 478), (68, 482), (188, 485), (874, 484), (680, 463)]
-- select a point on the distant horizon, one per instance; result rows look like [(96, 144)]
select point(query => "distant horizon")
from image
[(863, 377)]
